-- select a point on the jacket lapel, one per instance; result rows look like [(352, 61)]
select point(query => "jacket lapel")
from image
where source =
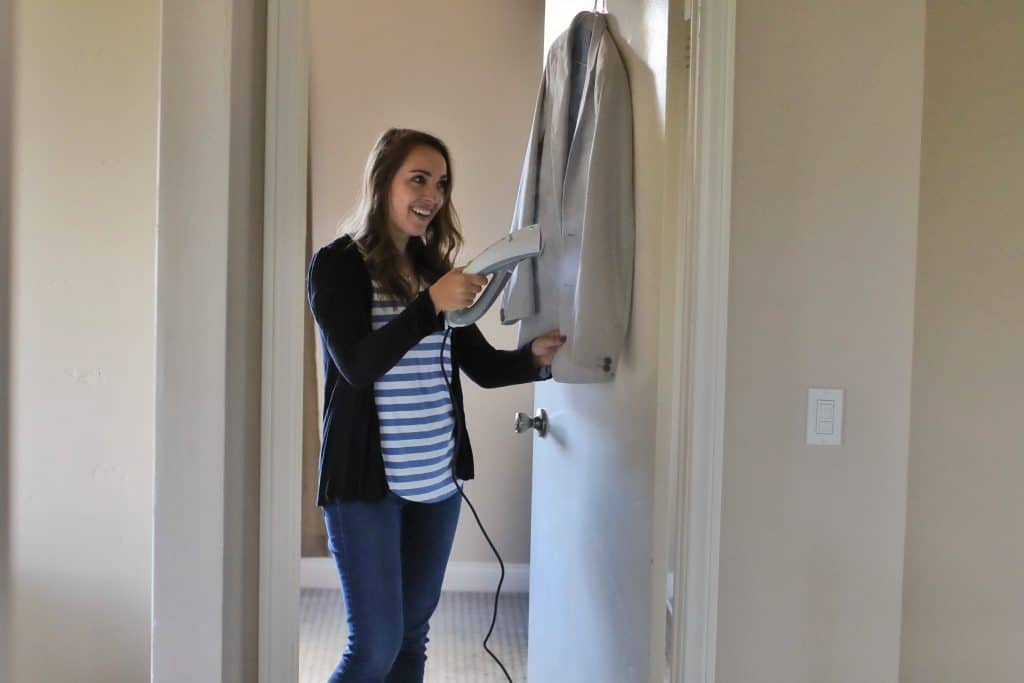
[(559, 133), (588, 26)]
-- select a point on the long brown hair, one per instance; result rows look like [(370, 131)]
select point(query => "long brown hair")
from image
[(430, 257)]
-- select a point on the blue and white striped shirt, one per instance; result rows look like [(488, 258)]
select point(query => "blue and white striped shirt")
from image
[(415, 412)]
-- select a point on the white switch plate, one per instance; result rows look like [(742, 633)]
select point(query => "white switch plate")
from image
[(825, 417)]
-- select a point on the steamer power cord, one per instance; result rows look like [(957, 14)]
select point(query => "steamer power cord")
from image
[(458, 437)]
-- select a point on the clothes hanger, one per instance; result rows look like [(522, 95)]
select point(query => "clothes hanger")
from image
[(600, 2)]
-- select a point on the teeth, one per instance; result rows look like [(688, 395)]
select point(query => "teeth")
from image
[(421, 212)]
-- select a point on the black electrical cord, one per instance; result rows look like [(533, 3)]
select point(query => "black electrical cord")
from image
[(456, 412)]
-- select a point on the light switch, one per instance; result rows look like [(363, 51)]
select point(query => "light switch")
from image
[(825, 417)]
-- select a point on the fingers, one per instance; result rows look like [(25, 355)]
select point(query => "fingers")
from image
[(468, 293), (480, 280), (471, 286), (546, 346), (550, 341), (554, 338), (459, 289)]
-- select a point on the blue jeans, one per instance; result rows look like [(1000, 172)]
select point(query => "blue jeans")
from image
[(391, 556)]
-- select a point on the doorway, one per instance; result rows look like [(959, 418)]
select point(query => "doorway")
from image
[(704, 233), (430, 67)]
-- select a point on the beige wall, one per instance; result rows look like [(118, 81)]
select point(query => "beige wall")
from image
[(825, 199), (83, 326), (963, 600), (467, 71)]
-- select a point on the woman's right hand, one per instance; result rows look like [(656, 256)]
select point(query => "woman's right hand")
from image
[(456, 290)]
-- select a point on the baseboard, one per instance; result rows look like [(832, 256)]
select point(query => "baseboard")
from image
[(461, 577), (482, 577)]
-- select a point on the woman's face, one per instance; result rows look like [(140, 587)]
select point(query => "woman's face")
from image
[(418, 191)]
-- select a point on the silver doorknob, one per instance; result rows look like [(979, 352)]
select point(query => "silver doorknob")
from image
[(524, 422)]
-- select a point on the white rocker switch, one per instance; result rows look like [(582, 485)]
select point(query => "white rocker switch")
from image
[(825, 417)]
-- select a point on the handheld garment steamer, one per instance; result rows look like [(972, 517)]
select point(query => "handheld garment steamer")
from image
[(499, 260)]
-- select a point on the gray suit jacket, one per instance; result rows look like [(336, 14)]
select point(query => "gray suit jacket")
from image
[(577, 184)]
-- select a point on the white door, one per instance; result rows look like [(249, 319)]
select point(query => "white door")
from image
[(591, 532), (592, 543)]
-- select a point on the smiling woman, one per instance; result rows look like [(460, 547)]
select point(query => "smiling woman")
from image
[(395, 448), (418, 191), (406, 193)]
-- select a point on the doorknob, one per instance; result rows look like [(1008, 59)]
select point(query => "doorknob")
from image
[(524, 422)]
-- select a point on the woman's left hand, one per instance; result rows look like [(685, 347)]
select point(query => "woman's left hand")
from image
[(546, 346)]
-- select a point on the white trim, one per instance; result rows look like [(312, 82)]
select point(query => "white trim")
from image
[(6, 219), (318, 572), (672, 356), (706, 267), (284, 265), (461, 577), (193, 301), (482, 577)]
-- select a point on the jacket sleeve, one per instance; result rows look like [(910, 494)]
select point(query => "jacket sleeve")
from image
[(519, 299), (489, 367), (340, 308), (604, 281)]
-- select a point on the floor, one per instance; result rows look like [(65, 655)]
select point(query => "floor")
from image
[(455, 653)]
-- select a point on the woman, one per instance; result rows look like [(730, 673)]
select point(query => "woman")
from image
[(394, 437)]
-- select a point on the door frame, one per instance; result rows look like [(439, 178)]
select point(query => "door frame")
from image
[(6, 326), (697, 446), (704, 259), (284, 273)]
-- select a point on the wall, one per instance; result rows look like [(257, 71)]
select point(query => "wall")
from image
[(963, 600), (468, 72), (824, 220), (83, 332)]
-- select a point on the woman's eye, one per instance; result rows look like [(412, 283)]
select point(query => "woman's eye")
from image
[(418, 179)]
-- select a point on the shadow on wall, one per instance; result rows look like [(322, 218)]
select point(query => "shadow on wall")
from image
[(6, 16)]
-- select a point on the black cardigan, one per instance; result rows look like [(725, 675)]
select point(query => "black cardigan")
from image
[(340, 294)]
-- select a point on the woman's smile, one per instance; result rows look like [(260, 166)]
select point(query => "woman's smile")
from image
[(418, 191)]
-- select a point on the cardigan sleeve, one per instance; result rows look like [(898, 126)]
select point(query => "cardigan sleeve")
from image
[(489, 367), (339, 301)]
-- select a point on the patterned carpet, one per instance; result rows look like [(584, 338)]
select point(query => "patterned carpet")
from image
[(454, 653)]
